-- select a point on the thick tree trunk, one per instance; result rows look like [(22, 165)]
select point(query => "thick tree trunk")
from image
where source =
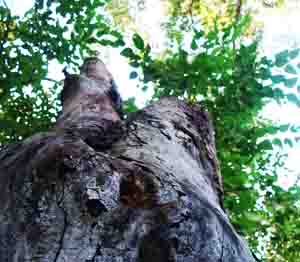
[(96, 188)]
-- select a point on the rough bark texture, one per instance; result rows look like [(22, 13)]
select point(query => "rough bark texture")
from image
[(96, 188)]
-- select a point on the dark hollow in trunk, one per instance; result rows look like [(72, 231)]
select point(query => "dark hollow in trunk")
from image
[(98, 188)]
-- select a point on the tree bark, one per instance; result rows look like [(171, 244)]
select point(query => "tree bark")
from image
[(96, 188)]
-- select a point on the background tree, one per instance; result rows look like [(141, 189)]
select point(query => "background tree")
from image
[(215, 66)]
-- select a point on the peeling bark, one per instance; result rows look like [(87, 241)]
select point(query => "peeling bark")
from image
[(96, 188)]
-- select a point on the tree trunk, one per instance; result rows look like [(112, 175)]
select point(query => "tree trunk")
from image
[(96, 188)]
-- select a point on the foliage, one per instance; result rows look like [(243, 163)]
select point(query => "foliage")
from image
[(61, 32), (221, 12), (119, 9), (214, 67), (207, 11), (234, 82)]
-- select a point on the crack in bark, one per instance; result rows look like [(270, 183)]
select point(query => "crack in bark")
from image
[(184, 218), (204, 156), (60, 199), (97, 253), (155, 122), (165, 134), (133, 133), (61, 240), (195, 142)]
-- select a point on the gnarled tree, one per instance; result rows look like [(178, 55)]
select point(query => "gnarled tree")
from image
[(98, 188)]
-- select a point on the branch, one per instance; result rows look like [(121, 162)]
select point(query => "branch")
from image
[(61, 240), (51, 80), (190, 12), (5, 4), (238, 10)]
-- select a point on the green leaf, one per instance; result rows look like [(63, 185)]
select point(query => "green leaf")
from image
[(293, 99), (281, 58), (291, 82), (278, 93), (290, 69), (129, 105), (288, 141), (133, 75), (276, 79), (295, 129), (272, 130), (254, 217), (265, 73), (284, 128), (198, 34), (105, 42), (294, 53), (134, 64), (277, 142), (138, 41), (265, 145), (98, 3), (127, 52), (194, 45)]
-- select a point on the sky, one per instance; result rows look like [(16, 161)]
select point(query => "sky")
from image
[(281, 30)]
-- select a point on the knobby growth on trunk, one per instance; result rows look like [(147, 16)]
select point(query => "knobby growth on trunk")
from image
[(99, 188)]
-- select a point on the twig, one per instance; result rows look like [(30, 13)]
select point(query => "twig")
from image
[(190, 12), (52, 80), (238, 10), (5, 4)]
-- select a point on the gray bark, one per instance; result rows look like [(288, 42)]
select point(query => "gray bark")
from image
[(96, 188)]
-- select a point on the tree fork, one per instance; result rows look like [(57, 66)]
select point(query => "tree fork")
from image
[(144, 189)]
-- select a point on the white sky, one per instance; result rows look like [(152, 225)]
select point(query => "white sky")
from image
[(281, 30)]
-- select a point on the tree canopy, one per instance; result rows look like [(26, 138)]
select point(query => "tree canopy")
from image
[(209, 58)]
